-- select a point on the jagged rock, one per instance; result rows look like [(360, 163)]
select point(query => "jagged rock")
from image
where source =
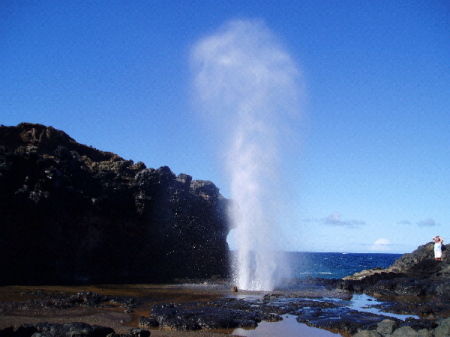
[(413, 274), (136, 332), (74, 214), (148, 322), (203, 316), (342, 319)]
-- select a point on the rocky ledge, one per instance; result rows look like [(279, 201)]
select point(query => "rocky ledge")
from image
[(413, 274), (73, 214), (416, 284)]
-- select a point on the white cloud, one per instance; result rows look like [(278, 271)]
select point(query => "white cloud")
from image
[(381, 245), (335, 219)]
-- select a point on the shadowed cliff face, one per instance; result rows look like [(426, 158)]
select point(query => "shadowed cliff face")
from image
[(71, 213)]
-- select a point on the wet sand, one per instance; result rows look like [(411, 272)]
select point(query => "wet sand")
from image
[(122, 321)]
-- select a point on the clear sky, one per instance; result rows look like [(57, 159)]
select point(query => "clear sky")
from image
[(370, 168)]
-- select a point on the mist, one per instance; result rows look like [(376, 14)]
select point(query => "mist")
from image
[(248, 87)]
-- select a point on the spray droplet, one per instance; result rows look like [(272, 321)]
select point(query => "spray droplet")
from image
[(248, 84)]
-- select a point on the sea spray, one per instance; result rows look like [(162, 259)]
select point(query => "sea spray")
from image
[(249, 87)]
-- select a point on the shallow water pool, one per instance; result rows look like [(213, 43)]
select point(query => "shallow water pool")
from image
[(288, 327)]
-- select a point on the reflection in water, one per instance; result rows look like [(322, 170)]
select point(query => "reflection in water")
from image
[(363, 302), (288, 327)]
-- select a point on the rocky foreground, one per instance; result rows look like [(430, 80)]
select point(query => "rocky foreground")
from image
[(415, 286)]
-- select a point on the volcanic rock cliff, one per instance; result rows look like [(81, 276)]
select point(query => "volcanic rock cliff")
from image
[(413, 274), (70, 213)]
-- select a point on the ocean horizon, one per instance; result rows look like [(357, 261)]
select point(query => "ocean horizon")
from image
[(333, 265)]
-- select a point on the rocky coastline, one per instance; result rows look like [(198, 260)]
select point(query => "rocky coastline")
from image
[(72, 214), (155, 246), (409, 298)]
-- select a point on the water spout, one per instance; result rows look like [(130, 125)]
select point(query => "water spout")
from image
[(248, 85)]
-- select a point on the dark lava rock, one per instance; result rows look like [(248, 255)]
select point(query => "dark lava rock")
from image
[(319, 313), (148, 322), (414, 274), (340, 319), (75, 214), (136, 332), (7, 332), (198, 316), (64, 300), (76, 329)]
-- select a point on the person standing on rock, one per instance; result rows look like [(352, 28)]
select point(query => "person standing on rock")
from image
[(438, 241)]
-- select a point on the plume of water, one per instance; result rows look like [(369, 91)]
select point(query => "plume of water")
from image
[(248, 85)]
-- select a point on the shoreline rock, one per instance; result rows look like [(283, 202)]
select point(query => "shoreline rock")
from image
[(413, 274), (313, 303)]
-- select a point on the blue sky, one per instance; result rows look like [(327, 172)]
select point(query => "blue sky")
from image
[(369, 169)]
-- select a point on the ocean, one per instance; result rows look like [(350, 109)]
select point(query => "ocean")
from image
[(336, 265)]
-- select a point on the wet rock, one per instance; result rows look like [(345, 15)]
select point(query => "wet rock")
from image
[(272, 317), (148, 322), (82, 329), (88, 298), (342, 319), (136, 332), (203, 317)]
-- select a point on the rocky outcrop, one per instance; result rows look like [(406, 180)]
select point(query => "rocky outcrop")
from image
[(421, 263), (418, 264), (416, 284), (72, 213), (413, 274)]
